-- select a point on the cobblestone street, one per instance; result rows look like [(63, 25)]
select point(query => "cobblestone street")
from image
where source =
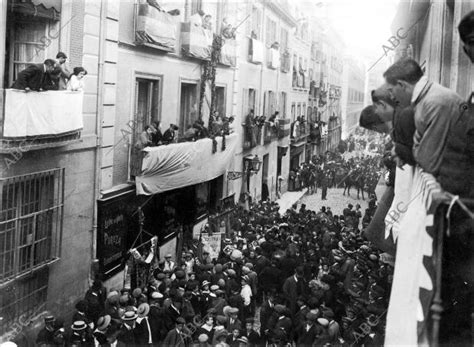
[(335, 200)]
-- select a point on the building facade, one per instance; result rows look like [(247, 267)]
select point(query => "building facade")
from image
[(437, 47), (72, 198), (49, 162), (353, 95)]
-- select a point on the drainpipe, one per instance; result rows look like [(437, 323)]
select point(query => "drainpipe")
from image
[(98, 154)]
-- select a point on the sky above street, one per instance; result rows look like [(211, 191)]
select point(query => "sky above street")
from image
[(363, 24)]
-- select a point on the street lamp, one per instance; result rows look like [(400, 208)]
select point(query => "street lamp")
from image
[(252, 165)]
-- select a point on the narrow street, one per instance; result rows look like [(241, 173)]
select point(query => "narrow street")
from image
[(335, 200)]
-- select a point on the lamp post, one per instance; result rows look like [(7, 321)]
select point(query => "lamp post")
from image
[(252, 165)]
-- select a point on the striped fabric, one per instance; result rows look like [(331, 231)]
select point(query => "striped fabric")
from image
[(412, 224), (155, 27), (196, 41)]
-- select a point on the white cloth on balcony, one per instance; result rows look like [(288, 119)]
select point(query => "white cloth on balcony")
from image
[(414, 277), (42, 114), (183, 164), (256, 51)]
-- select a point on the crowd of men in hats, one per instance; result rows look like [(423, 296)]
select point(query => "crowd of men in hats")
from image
[(305, 277), (334, 171)]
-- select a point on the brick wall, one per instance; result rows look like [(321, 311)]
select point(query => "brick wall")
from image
[(77, 33)]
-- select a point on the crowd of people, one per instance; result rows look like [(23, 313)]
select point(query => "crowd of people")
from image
[(53, 74), (305, 277), (333, 170)]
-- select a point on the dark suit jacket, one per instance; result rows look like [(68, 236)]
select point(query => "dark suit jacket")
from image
[(32, 77), (265, 313), (306, 338), (175, 339)]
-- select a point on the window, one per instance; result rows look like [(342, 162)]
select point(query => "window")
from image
[(30, 41), (30, 221), (147, 104), (221, 101), (196, 5), (147, 111), (23, 298), (309, 113), (283, 40), (256, 23), (248, 101), (269, 103), (293, 112), (270, 32), (189, 108), (298, 110)]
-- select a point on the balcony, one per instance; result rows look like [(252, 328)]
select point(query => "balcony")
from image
[(38, 120), (154, 28), (179, 165), (252, 136), (270, 132), (300, 132), (283, 128), (229, 53), (196, 42)]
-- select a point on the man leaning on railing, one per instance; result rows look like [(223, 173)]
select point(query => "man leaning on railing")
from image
[(35, 76)]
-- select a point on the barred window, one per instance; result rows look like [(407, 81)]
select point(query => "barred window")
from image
[(31, 214), (22, 300)]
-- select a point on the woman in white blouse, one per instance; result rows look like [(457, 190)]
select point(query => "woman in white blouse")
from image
[(76, 81)]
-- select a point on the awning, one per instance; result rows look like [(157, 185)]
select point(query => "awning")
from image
[(183, 164), (50, 9)]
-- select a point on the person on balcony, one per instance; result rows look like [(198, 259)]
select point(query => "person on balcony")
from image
[(144, 140), (207, 22), (157, 137), (34, 76), (76, 82), (64, 74), (249, 126), (197, 19), (436, 109), (170, 134)]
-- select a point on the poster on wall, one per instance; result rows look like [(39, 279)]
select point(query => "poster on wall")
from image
[(168, 247), (212, 243), (113, 225)]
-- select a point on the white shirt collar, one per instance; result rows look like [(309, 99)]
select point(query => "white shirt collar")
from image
[(419, 86), (296, 278)]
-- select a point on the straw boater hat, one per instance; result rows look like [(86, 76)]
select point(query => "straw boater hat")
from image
[(143, 310), (103, 322), (129, 316), (78, 325)]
